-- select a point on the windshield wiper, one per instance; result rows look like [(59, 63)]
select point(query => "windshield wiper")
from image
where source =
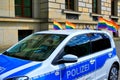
[(6, 53)]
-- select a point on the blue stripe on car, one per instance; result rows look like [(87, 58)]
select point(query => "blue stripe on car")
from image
[(24, 71), (9, 63)]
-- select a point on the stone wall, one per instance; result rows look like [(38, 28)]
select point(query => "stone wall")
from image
[(46, 11), (7, 8), (55, 9), (43, 9), (9, 32)]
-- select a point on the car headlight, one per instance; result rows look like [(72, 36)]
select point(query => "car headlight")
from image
[(18, 78)]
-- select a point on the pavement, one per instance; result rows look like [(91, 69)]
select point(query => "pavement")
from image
[(117, 43)]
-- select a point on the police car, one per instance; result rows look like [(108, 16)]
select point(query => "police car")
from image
[(61, 55)]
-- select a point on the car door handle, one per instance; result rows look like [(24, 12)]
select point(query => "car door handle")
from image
[(92, 61)]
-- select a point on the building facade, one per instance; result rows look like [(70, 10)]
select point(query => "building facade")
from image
[(19, 18)]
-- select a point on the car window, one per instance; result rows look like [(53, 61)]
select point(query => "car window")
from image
[(99, 42), (37, 47), (106, 41), (78, 45)]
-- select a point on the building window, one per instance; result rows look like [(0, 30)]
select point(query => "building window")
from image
[(71, 7), (69, 4), (23, 8), (96, 6), (72, 16), (23, 33), (114, 8)]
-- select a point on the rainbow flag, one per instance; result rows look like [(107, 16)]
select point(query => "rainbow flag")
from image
[(114, 25), (110, 25), (70, 25), (57, 26), (102, 23)]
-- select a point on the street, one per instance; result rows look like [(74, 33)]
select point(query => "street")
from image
[(117, 42)]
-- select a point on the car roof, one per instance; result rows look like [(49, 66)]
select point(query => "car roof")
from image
[(68, 32)]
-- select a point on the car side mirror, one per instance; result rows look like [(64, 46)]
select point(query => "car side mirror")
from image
[(19, 78), (69, 58)]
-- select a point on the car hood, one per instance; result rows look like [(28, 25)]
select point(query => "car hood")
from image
[(10, 66)]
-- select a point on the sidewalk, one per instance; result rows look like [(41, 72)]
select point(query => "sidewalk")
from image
[(116, 39)]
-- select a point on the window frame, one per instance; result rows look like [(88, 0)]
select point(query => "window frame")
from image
[(96, 6), (22, 6), (82, 44), (114, 8), (62, 52), (68, 4)]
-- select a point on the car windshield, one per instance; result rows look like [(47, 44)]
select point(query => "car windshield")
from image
[(36, 47)]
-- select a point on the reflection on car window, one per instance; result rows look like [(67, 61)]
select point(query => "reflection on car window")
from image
[(99, 42), (94, 37), (79, 46), (78, 40), (36, 47)]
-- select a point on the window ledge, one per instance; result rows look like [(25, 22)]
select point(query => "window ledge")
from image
[(8, 19), (97, 15), (114, 17), (71, 12)]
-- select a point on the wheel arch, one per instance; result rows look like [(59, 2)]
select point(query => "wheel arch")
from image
[(117, 64)]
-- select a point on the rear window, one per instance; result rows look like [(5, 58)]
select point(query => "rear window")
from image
[(99, 42)]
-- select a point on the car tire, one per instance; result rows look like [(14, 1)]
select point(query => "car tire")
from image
[(114, 73)]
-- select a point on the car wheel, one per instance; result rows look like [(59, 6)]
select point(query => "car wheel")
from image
[(113, 74)]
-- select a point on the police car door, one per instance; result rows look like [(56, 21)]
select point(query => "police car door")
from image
[(84, 67), (101, 49)]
